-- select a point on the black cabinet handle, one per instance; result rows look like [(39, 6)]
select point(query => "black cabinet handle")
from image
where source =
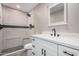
[(33, 39), (33, 53), (33, 46), (68, 53), (44, 52)]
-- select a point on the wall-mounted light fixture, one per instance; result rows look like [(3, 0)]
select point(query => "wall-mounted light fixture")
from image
[(29, 15)]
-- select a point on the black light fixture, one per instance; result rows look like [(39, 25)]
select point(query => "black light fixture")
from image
[(28, 15)]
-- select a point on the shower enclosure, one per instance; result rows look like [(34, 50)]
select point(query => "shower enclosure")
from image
[(14, 31)]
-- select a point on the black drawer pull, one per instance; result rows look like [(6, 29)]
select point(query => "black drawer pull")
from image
[(33, 53), (44, 52), (68, 53), (33, 39), (33, 46)]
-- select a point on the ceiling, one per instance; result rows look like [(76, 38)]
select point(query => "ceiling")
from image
[(25, 7)]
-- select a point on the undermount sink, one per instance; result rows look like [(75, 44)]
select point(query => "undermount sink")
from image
[(47, 36)]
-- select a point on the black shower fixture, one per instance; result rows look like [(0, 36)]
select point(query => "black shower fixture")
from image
[(31, 26), (28, 15), (15, 26)]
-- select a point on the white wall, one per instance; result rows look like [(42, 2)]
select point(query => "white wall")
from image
[(0, 30), (13, 37), (41, 19)]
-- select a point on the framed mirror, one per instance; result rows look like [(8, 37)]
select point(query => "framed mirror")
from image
[(57, 14)]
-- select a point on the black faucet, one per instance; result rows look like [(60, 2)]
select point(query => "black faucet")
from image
[(54, 31)]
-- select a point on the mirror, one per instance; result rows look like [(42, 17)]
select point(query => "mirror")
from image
[(57, 14)]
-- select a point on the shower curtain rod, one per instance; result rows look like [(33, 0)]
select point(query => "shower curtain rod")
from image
[(15, 26)]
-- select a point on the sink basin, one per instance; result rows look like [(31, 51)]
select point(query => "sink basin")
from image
[(46, 37)]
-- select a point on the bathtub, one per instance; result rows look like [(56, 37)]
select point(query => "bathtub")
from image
[(26, 51)]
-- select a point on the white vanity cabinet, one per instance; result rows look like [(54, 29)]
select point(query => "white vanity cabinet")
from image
[(65, 51), (41, 47)]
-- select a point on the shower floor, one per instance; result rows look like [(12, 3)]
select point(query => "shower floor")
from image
[(5, 51)]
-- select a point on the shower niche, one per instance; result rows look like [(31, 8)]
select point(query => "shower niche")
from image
[(57, 14)]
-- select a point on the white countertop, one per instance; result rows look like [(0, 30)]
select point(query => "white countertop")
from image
[(68, 39)]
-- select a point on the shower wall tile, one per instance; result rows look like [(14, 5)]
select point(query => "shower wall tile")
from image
[(13, 37)]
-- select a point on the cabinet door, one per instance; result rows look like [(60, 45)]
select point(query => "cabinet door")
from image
[(36, 51), (65, 51), (45, 48), (49, 46), (50, 50)]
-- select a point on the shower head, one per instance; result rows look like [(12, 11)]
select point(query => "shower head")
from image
[(28, 15)]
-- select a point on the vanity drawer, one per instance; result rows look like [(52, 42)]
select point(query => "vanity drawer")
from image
[(46, 43), (33, 39), (36, 49), (49, 49), (65, 51)]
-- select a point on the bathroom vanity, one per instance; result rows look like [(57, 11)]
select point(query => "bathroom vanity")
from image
[(64, 44), (47, 45)]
